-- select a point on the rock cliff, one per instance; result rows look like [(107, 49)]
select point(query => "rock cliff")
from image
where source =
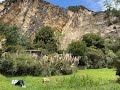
[(30, 15)]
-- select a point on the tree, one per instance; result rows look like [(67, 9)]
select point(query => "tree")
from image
[(25, 41), (92, 39), (11, 33), (14, 39), (112, 8), (113, 43), (45, 39), (95, 58), (77, 48)]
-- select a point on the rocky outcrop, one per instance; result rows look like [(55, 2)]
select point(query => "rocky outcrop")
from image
[(1, 6), (30, 15)]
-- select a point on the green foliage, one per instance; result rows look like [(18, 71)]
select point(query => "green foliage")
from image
[(10, 32), (95, 51), (25, 42), (26, 64), (112, 10), (118, 54), (110, 57), (7, 66), (96, 58), (13, 48), (117, 65), (1, 52), (77, 48), (92, 39), (113, 43), (45, 39), (13, 37), (76, 8)]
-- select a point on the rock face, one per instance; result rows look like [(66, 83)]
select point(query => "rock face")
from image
[(1, 6), (30, 15)]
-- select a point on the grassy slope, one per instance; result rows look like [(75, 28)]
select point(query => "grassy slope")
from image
[(91, 79)]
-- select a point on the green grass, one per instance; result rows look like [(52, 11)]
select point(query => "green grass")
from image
[(91, 79)]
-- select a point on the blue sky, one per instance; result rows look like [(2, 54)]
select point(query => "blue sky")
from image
[(95, 5)]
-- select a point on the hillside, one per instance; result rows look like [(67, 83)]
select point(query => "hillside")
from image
[(30, 15)]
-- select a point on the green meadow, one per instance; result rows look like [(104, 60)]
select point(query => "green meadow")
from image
[(89, 79)]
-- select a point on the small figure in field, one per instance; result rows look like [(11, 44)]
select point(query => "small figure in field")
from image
[(45, 80)]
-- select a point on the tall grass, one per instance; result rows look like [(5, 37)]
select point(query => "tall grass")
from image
[(25, 64)]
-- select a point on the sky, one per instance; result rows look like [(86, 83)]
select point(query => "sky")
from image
[(94, 5)]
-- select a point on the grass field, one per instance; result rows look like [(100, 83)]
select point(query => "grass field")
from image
[(91, 79)]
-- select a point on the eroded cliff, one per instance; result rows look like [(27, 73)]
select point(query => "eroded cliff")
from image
[(30, 15)]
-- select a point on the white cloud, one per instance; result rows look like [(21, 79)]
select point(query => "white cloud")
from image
[(111, 2), (98, 3), (101, 3), (1, 0)]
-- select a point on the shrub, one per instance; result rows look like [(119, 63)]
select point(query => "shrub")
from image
[(96, 58), (13, 48), (0, 52), (76, 8), (77, 48), (110, 57), (117, 63), (7, 67), (45, 39), (25, 64), (118, 54), (10, 32), (59, 64), (25, 42), (13, 37), (92, 39), (113, 43)]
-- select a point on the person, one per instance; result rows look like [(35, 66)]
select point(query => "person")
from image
[(18, 83), (14, 82)]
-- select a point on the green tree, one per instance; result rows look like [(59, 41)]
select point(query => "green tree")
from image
[(14, 39), (11, 33), (95, 58), (113, 43), (112, 8), (92, 39), (45, 39), (77, 48), (25, 41)]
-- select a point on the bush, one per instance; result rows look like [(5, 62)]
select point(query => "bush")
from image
[(110, 57), (7, 67), (25, 64), (113, 43), (13, 37), (76, 8), (25, 42), (13, 48), (77, 48), (45, 39), (59, 64), (92, 39), (117, 63), (118, 54), (11, 33), (95, 58)]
